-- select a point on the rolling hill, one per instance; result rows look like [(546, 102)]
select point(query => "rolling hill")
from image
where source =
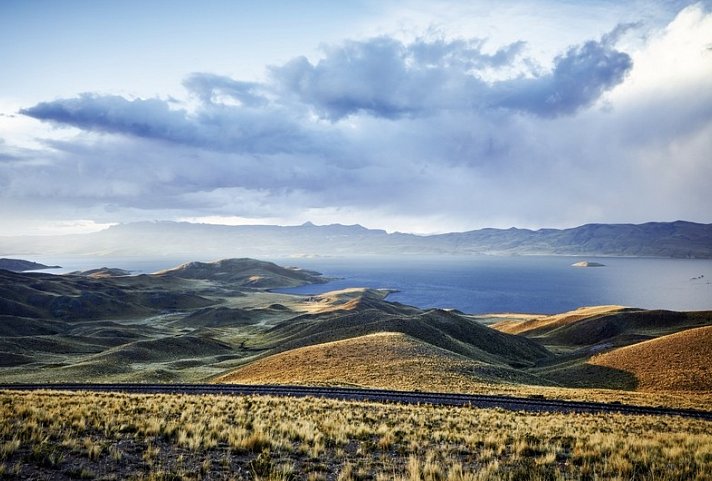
[(105, 325), (676, 362), (220, 321), (368, 313), (545, 324), (386, 360), (48, 296), (605, 326)]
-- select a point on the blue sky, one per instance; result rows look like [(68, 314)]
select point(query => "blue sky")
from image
[(414, 116)]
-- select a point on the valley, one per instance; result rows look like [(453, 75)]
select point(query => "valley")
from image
[(219, 322)]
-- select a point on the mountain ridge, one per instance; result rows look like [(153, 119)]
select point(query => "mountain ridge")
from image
[(678, 239)]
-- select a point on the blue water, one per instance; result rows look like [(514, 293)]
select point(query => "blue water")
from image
[(544, 284), (484, 284)]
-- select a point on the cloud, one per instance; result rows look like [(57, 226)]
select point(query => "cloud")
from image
[(214, 126), (381, 77), (149, 118), (386, 78), (210, 88), (389, 132), (578, 79)]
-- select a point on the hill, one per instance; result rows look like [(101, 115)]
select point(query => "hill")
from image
[(542, 324), (593, 333), (605, 326), (200, 321), (244, 273), (659, 239), (676, 362), (102, 272), (103, 325), (368, 313), (48, 296), (19, 265), (383, 360)]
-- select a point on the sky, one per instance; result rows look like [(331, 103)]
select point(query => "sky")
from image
[(412, 116)]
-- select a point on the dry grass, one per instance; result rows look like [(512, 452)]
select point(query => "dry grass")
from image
[(177, 437), (397, 361), (341, 300), (385, 360), (552, 322), (676, 362)]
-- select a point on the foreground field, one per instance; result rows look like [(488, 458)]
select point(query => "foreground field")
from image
[(108, 436)]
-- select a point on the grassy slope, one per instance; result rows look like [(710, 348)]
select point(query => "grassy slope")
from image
[(71, 298), (539, 324), (370, 314), (588, 326), (589, 334), (676, 362), (384, 360)]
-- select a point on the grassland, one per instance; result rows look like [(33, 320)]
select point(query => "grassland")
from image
[(177, 437)]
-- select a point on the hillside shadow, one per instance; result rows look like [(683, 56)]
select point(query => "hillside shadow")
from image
[(591, 376)]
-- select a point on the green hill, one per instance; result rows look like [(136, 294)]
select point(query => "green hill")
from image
[(244, 273)]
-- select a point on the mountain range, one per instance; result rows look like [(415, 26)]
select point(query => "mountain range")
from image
[(679, 239)]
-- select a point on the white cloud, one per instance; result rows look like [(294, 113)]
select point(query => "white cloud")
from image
[(397, 133)]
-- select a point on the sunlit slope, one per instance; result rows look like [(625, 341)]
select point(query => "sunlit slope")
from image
[(676, 362), (609, 325), (367, 313), (543, 324), (383, 360)]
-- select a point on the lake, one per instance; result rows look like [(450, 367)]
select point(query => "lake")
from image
[(488, 284), (528, 284)]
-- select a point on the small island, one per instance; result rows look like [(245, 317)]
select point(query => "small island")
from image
[(588, 264)]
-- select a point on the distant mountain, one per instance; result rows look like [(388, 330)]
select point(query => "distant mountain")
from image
[(19, 265), (654, 239)]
